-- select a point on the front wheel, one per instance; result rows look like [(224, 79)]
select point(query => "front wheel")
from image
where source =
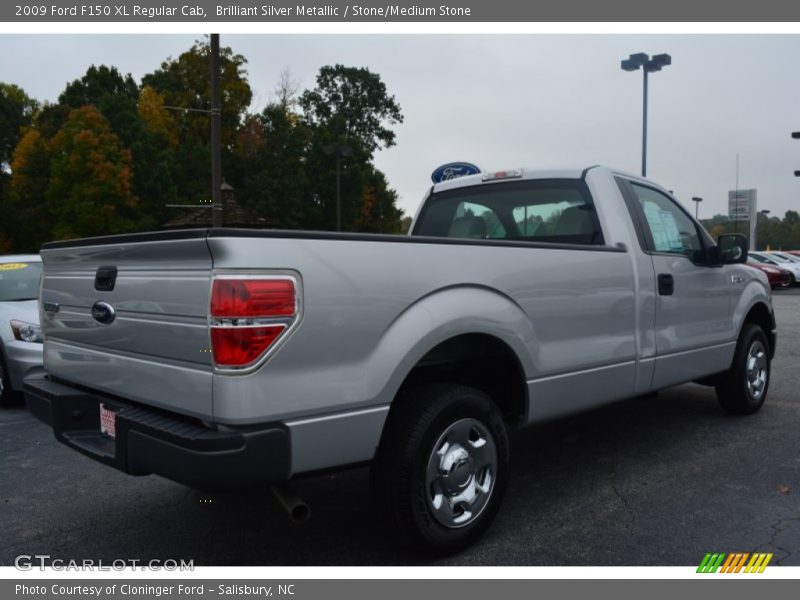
[(442, 467), (743, 389), (7, 395)]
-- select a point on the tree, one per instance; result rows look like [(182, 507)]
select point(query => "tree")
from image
[(91, 178), (113, 94), (717, 230), (159, 121), (772, 232), (120, 101), (353, 104), (270, 169), (282, 170), (378, 211), (109, 155), (28, 215), (286, 91), (405, 224), (16, 113), (184, 83)]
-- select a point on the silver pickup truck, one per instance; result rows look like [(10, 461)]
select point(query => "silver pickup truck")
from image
[(222, 358)]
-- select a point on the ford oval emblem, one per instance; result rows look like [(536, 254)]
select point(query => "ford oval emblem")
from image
[(453, 171), (103, 312)]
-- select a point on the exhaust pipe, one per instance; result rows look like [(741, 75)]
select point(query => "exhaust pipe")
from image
[(295, 507)]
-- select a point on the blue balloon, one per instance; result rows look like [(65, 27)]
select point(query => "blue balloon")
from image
[(453, 170)]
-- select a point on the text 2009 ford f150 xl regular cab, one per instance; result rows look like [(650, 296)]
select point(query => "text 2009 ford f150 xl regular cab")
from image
[(223, 358)]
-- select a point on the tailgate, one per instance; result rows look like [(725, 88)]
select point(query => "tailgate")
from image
[(154, 348)]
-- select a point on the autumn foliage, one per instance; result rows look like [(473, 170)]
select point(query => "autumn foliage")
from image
[(113, 155)]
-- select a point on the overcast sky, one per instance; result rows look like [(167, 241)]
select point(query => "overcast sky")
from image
[(504, 101)]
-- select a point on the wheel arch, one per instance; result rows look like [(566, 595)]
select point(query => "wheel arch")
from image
[(478, 360), (465, 331), (760, 314)]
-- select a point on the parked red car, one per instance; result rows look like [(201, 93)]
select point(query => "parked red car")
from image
[(777, 277)]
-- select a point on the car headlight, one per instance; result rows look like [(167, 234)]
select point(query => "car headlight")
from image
[(26, 332)]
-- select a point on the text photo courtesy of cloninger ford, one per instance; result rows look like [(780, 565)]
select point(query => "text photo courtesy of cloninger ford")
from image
[(399, 300)]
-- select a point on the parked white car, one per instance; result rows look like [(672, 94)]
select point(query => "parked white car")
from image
[(20, 335), (791, 258), (770, 258)]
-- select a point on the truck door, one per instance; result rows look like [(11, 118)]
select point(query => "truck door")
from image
[(693, 330)]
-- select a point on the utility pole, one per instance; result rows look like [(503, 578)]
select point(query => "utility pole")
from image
[(216, 137)]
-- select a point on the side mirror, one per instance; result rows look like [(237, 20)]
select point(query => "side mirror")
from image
[(731, 249)]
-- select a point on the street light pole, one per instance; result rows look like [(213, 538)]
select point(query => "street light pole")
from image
[(736, 200), (644, 124), (338, 191), (649, 65), (338, 150), (764, 212), (697, 202), (796, 136)]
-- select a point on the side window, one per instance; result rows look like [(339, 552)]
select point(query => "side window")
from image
[(671, 229)]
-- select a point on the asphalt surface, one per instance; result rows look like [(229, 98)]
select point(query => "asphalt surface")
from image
[(651, 481)]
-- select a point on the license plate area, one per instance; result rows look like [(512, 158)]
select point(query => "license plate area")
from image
[(108, 421)]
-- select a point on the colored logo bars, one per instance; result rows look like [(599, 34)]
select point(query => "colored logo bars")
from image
[(735, 562)]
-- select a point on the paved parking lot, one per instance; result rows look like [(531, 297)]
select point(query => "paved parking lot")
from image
[(651, 481)]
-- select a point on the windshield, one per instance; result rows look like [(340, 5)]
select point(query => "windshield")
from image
[(778, 258), (19, 281), (556, 211), (762, 259), (784, 258)]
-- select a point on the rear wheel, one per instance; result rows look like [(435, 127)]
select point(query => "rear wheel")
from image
[(743, 389), (442, 467)]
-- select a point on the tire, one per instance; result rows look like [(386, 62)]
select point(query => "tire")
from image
[(442, 467), (8, 396), (743, 389)]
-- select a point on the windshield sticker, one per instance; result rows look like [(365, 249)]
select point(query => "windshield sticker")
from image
[(671, 230), (13, 266)]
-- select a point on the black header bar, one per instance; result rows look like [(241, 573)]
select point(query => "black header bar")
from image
[(441, 11)]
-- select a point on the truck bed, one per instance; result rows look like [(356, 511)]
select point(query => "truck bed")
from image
[(365, 298)]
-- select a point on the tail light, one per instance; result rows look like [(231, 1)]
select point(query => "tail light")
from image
[(248, 315), (236, 298)]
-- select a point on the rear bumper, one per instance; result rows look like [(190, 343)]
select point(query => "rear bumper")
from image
[(22, 359), (150, 441)]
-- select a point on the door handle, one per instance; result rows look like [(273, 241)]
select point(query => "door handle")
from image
[(105, 278), (666, 284)]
